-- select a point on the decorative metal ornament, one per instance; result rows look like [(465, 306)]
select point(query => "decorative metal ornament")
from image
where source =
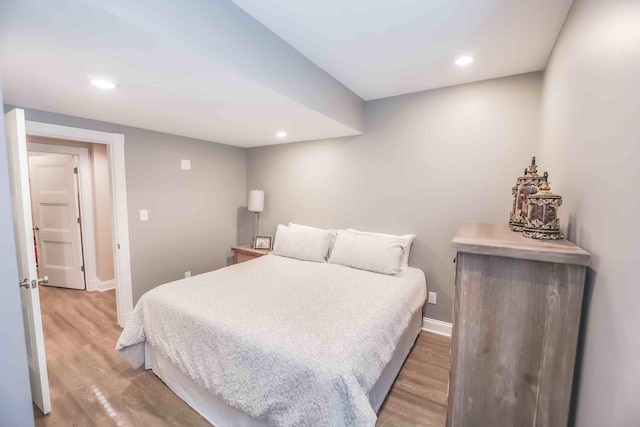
[(526, 185), (542, 215)]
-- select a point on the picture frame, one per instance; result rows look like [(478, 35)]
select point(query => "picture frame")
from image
[(263, 242)]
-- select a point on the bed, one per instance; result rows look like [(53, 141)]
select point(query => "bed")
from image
[(279, 341)]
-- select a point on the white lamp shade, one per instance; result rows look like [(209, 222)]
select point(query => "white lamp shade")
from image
[(255, 202)]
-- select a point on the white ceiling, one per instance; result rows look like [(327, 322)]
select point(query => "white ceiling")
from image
[(381, 48), (180, 70), (208, 70), (221, 107)]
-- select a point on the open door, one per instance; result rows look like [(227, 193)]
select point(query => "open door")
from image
[(56, 219), (29, 282)]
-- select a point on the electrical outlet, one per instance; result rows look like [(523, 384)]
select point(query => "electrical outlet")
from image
[(144, 215), (187, 274), (185, 164), (432, 297)]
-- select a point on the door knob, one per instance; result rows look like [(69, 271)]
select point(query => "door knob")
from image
[(24, 284), (35, 283), (36, 228)]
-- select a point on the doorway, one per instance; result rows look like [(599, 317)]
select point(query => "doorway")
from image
[(113, 143), (92, 172)]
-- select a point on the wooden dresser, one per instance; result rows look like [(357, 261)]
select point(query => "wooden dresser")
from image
[(516, 316), (244, 253)]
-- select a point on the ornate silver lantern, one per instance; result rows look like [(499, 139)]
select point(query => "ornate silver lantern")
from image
[(525, 186), (542, 220)]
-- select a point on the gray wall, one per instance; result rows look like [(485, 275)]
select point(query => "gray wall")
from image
[(428, 162), (591, 142), (15, 392), (192, 214)]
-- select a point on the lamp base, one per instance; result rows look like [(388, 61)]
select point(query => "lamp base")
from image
[(255, 230)]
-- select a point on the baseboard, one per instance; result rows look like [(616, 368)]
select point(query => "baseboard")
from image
[(92, 284), (106, 286), (98, 285), (437, 326)]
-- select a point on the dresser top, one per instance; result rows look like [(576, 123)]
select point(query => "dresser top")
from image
[(499, 240)]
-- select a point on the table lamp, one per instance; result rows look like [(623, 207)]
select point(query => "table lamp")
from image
[(255, 204)]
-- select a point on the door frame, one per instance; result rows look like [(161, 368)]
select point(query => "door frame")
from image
[(120, 222), (86, 206)]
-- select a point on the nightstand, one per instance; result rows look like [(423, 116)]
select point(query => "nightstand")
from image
[(244, 253)]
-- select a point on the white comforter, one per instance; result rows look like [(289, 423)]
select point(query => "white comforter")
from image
[(289, 342)]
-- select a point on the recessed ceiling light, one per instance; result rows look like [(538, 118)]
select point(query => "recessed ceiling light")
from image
[(464, 60), (103, 83), (281, 134)]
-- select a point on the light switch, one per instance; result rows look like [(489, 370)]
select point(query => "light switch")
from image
[(144, 215), (185, 164)]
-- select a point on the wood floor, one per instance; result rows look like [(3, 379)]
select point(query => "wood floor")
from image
[(92, 386)]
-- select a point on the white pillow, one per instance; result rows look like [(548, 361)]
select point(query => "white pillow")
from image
[(404, 263), (368, 251), (305, 243), (333, 232)]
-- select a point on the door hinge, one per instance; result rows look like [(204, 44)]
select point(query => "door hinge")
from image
[(118, 245), (75, 170), (78, 220), (82, 268)]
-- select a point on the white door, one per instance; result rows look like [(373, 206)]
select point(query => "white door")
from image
[(56, 219), (30, 298)]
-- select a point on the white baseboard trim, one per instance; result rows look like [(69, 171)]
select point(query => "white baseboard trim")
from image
[(92, 284), (98, 285), (106, 286), (437, 326)]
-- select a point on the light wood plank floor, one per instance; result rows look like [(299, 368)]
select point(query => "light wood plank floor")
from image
[(80, 334)]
